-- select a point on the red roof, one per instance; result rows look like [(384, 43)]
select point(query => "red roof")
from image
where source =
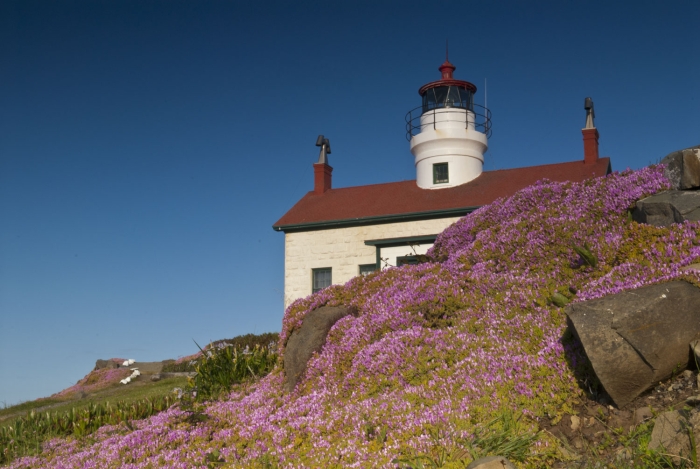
[(404, 199)]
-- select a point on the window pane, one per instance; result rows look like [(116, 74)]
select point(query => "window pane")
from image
[(321, 278), (440, 96), (407, 260), (453, 98), (367, 269), (440, 173)]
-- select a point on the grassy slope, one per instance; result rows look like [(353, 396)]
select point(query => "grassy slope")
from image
[(133, 392)]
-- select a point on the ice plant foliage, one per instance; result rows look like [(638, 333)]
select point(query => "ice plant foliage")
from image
[(436, 349)]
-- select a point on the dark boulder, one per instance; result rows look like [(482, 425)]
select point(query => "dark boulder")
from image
[(683, 168), (309, 338), (637, 338), (666, 208)]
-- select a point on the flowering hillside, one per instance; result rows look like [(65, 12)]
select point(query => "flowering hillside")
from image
[(437, 350)]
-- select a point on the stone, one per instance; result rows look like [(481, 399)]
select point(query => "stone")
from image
[(155, 377), (642, 414), (693, 400), (491, 462), (671, 433), (668, 207), (687, 374), (575, 423), (683, 168), (691, 267), (101, 364), (637, 338), (309, 339), (695, 349)]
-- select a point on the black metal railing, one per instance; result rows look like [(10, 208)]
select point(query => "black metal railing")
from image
[(478, 116)]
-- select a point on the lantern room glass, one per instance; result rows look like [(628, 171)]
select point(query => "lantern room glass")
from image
[(448, 96)]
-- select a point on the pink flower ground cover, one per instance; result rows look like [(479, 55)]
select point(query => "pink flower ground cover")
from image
[(437, 348)]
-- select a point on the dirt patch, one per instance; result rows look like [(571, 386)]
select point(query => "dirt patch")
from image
[(596, 430)]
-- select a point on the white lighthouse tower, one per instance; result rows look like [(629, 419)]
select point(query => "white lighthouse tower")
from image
[(448, 132)]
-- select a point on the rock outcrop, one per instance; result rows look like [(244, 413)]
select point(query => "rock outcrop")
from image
[(100, 364), (666, 208), (683, 168), (636, 338), (309, 338)]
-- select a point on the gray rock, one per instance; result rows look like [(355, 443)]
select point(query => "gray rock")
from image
[(637, 338), (155, 377), (683, 168), (642, 415), (670, 433), (691, 267), (668, 207), (695, 350), (693, 400), (100, 364), (491, 462), (308, 339)]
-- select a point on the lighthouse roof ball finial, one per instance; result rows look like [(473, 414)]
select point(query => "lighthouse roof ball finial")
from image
[(590, 113), (325, 145)]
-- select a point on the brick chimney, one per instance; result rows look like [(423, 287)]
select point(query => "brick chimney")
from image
[(322, 177), (590, 134), (322, 170), (590, 145)]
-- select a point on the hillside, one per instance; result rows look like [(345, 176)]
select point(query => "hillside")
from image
[(441, 356)]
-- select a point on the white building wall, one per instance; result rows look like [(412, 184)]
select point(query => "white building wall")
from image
[(343, 250), (449, 136)]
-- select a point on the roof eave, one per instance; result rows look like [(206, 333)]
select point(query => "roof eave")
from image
[(375, 220)]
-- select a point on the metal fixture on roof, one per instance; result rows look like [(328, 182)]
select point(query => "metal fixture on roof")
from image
[(325, 145), (590, 113)]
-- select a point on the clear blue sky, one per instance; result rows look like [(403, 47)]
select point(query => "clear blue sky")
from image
[(146, 147)]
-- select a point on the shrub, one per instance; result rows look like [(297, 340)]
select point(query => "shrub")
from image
[(222, 366)]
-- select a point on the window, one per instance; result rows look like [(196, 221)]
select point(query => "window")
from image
[(406, 260), (320, 279), (367, 269), (448, 96), (440, 173)]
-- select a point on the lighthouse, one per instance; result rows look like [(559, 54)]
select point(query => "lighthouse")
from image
[(448, 133)]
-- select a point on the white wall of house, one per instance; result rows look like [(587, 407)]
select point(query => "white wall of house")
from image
[(343, 250)]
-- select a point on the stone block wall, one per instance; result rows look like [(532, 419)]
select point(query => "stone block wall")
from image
[(343, 250)]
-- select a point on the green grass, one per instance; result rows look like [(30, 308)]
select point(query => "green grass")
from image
[(24, 434), (502, 436), (24, 407), (26, 426), (138, 390)]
